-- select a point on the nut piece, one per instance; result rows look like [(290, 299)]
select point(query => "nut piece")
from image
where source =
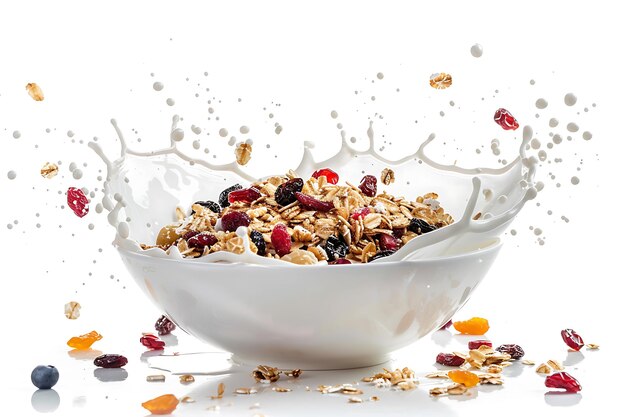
[(34, 91), (387, 176), (243, 153), (592, 346), (49, 170), (266, 373), (72, 310), (300, 257), (440, 80)]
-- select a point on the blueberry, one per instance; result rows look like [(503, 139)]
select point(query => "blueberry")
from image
[(44, 377)]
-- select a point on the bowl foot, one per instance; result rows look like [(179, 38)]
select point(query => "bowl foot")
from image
[(313, 365)]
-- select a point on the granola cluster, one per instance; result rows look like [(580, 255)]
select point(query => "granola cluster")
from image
[(305, 222)]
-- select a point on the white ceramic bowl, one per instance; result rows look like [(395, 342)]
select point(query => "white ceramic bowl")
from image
[(326, 317)]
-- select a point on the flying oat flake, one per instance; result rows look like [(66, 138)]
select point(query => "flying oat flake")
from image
[(34, 91)]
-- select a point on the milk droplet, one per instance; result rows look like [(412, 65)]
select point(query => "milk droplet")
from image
[(542, 155), (587, 135), (557, 139), (244, 129), (70, 134), (232, 141), (513, 232), (539, 186), (541, 103), (575, 180), (16, 134), (532, 82), (553, 122), (334, 114), (170, 101), (177, 134), (196, 144), (570, 99), (502, 199), (99, 208), (158, 86), (91, 226), (278, 129), (195, 129), (380, 75), (352, 139), (123, 230), (223, 132), (11, 175), (572, 127), (77, 174), (535, 144), (476, 50), (538, 231)]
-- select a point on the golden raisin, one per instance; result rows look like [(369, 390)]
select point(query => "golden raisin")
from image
[(167, 236), (467, 378), (85, 341), (475, 326), (164, 404)]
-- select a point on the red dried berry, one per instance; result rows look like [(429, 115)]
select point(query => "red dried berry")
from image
[(398, 233), (360, 213), (110, 361), (232, 220), (190, 234), (164, 326), (247, 194), (512, 349), (152, 342), (450, 359), (77, 201), (475, 344), (572, 339), (340, 261), (201, 240), (445, 326), (563, 380), (281, 239), (311, 203), (331, 176), (388, 242), (368, 185), (505, 119)]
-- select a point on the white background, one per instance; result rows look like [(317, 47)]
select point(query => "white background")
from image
[(94, 62)]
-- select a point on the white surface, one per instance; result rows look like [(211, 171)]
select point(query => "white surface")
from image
[(310, 59)]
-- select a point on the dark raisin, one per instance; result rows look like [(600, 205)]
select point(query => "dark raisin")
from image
[(286, 193), (110, 361), (368, 185), (257, 238), (201, 240), (211, 205), (381, 254), (190, 234), (512, 349), (420, 226), (164, 326), (449, 359), (224, 195), (335, 248), (233, 219)]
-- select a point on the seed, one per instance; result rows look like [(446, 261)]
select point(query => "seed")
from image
[(34, 91), (155, 378), (49, 170), (72, 310)]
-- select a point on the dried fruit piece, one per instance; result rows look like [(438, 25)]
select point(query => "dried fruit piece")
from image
[(335, 248), (311, 203), (34, 91), (475, 344), (266, 373), (49, 170), (211, 205), (164, 326), (223, 200), (467, 378), (167, 236), (572, 339), (72, 310), (257, 238), (381, 254), (563, 380), (243, 152), (286, 193), (165, 404), (505, 119), (340, 261), (247, 195), (331, 176), (420, 226), (449, 359), (77, 201), (281, 239), (84, 341), (440, 80), (446, 325), (201, 240), (152, 342), (360, 213), (512, 349), (387, 176), (110, 360), (234, 219), (388, 243), (475, 326), (368, 185)]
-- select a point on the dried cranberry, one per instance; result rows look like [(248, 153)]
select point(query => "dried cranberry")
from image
[(368, 185), (247, 194), (388, 242), (152, 342), (311, 203), (563, 380), (340, 261), (224, 195), (445, 326), (190, 234), (331, 176), (286, 193), (420, 226), (164, 326), (475, 344), (360, 213), (335, 248), (505, 119), (398, 233), (232, 220), (512, 349), (380, 254), (110, 361), (211, 205), (281, 239), (572, 339), (201, 240), (449, 359), (77, 201), (257, 238)]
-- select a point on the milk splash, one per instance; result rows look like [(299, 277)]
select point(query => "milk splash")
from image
[(143, 188)]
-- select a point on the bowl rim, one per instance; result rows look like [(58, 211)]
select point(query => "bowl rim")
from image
[(493, 245)]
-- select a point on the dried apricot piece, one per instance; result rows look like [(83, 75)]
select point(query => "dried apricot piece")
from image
[(85, 341), (475, 326), (164, 404), (467, 378)]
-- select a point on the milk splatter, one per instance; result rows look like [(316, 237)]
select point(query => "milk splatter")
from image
[(570, 99), (476, 50), (158, 86)]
